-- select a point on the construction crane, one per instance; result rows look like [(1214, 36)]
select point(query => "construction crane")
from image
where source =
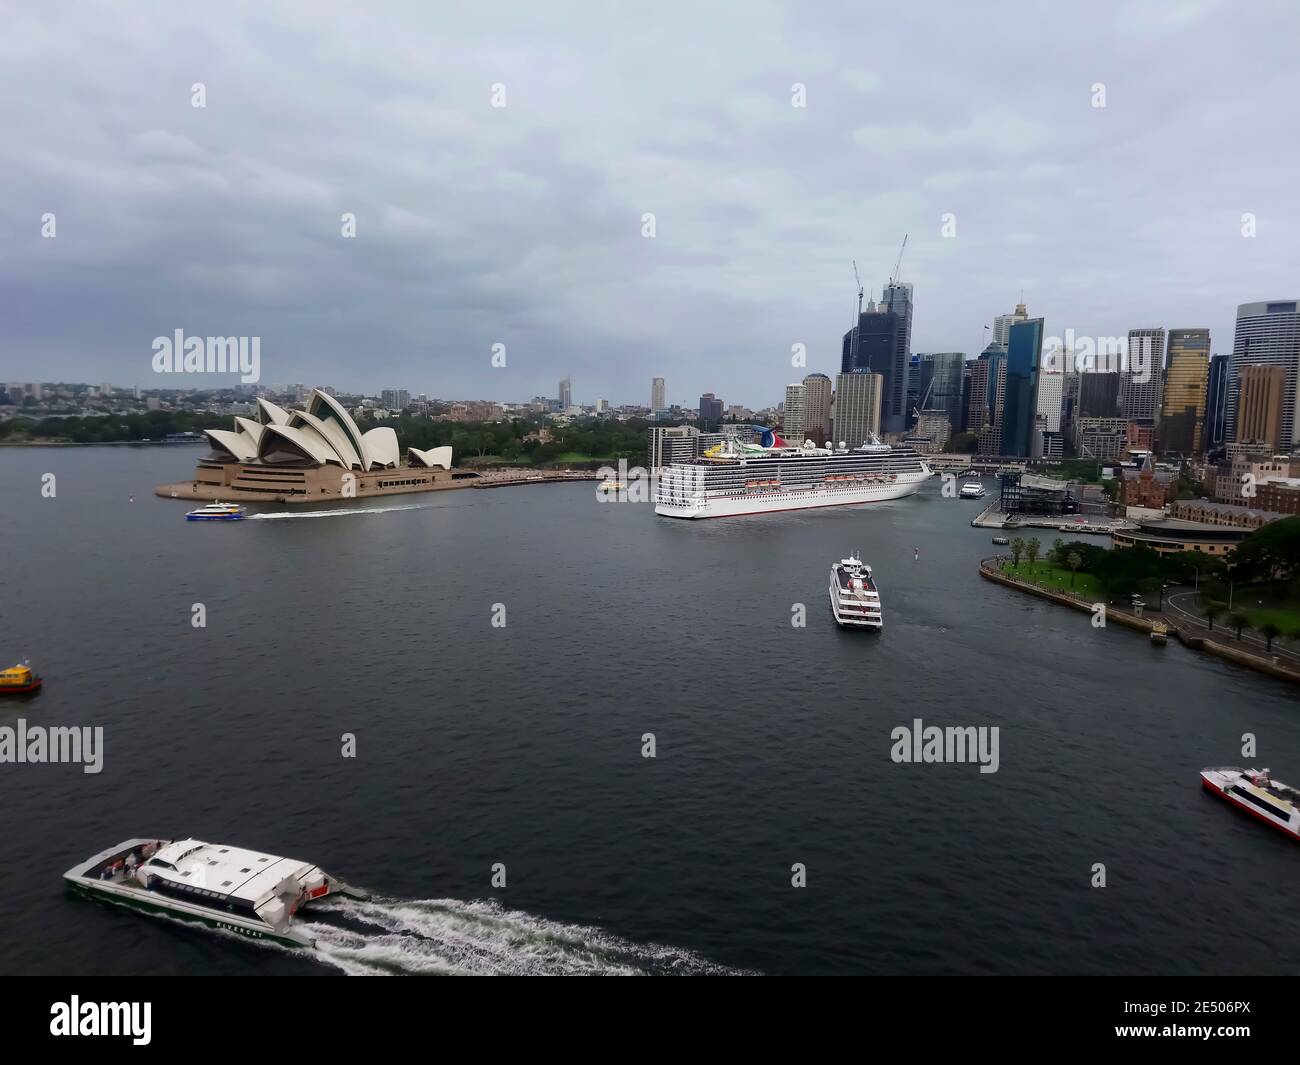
[(859, 281), (893, 278)]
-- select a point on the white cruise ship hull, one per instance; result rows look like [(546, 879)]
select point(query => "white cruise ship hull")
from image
[(766, 502)]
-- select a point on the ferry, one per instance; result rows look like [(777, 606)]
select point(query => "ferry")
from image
[(217, 512), (241, 891), (19, 680), (855, 599), (972, 490), (1001, 540), (737, 478), (1254, 791)]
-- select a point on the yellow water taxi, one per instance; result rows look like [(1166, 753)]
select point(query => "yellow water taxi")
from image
[(19, 680)]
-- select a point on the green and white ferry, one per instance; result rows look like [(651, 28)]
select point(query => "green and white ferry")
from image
[(242, 891)]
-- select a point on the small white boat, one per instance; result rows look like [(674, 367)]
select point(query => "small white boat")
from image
[(855, 600), (241, 891), (217, 512), (972, 490), (1258, 794)]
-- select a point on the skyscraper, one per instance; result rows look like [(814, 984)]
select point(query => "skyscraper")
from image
[(1024, 351), (1141, 377), (657, 393), (880, 343), (938, 383), (1098, 395), (566, 394), (858, 401), (1261, 402), (1267, 334), (1182, 414), (1003, 322), (710, 409), (817, 407), (792, 422), (1216, 402)]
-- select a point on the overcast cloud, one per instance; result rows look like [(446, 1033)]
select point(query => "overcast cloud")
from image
[(522, 225)]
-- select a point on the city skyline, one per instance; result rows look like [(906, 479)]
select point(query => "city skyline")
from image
[(227, 219)]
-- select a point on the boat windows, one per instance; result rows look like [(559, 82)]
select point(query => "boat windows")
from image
[(1263, 804), (161, 864)]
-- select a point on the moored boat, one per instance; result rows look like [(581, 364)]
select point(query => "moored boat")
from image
[(855, 599), (241, 891), (1254, 791), (972, 490), (217, 512), (20, 680)]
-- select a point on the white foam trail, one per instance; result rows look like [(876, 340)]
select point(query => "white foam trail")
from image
[(450, 937), (280, 516)]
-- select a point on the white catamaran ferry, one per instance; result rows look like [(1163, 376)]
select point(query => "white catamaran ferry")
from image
[(242, 891), (738, 478), (1254, 791)]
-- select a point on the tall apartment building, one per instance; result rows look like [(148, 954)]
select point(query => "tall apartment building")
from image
[(792, 421), (817, 393), (1266, 334), (657, 393), (710, 408), (1182, 414), (1261, 404), (859, 399), (566, 394)]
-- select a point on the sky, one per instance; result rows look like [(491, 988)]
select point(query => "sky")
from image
[(972, 128)]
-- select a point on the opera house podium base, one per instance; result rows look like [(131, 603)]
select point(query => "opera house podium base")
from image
[(259, 483)]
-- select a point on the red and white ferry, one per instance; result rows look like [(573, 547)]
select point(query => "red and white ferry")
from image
[(1254, 791)]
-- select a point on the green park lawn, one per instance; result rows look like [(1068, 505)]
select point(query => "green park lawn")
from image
[(1046, 575)]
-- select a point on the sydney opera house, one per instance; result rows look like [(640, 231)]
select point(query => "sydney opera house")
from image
[(311, 455)]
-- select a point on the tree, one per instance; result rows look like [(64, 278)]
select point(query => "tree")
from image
[(1017, 549), (1238, 621), (1073, 561), (1031, 549), (1271, 552), (1270, 632), (1211, 610), (1057, 555)]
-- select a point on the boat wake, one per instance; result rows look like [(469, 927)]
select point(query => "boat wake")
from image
[(380, 936), (337, 513)]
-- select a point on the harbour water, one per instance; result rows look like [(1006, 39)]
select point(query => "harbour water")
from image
[(522, 744)]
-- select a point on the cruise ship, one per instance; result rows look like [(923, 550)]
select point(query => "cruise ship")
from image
[(241, 891), (1254, 791), (737, 478)]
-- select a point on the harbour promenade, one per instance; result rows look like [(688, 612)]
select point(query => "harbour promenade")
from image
[(1281, 661)]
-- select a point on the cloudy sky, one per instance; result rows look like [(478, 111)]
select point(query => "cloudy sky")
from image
[(522, 224)]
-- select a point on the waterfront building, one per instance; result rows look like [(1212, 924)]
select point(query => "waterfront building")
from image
[(1026, 493), (1209, 512), (859, 399), (1182, 414), (657, 393), (1168, 536), (667, 444), (1261, 404), (817, 395), (1266, 334), (312, 454), (1020, 405), (1140, 379)]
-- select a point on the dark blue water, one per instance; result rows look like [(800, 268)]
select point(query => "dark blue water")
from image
[(522, 745)]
